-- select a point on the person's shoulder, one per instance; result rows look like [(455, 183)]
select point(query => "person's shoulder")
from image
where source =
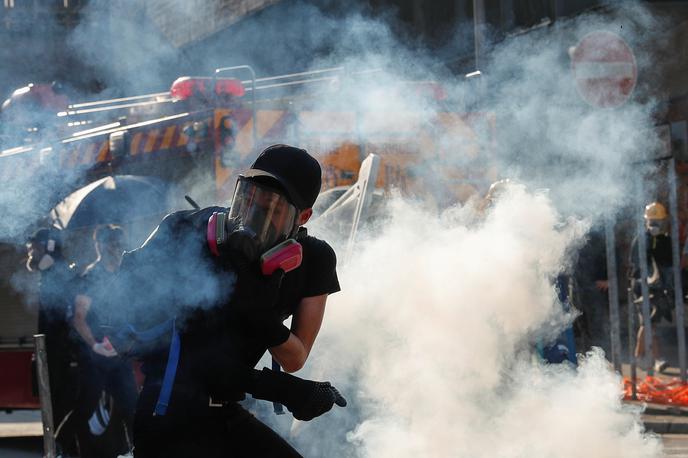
[(320, 266), (313, 246), (195, 216), (177, 224)]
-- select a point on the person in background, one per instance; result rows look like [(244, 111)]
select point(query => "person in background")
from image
[(100, 367), (660, 280), (44, 255)]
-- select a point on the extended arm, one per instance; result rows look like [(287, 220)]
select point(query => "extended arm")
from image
[(292, 354), (82, 304)]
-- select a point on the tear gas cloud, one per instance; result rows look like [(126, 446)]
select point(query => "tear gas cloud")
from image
[(432, 339), (431, 336)]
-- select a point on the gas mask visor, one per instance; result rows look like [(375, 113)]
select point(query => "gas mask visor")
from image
[(262, 211)]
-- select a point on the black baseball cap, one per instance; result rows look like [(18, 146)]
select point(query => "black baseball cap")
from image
[(296, 171)]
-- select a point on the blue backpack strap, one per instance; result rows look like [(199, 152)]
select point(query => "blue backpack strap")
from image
[(128, 341), (170, 373), (154, 333)]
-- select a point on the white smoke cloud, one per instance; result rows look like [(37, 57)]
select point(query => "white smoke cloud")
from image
[(433, 340)]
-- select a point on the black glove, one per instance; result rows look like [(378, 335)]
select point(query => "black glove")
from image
[(305, 399)]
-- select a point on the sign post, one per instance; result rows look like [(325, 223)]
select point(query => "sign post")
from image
[(613, 293), (49, 449)]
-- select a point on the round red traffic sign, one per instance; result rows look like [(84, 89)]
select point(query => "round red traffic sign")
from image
[(604, 69)]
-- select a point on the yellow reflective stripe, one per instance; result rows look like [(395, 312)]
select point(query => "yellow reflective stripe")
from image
[(135, 142), (102, 154), (167, 138), (150, 142), (183, 138)]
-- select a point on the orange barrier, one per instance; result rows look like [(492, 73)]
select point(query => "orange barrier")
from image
[(658, 391)]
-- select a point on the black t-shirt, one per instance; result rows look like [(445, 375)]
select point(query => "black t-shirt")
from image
[(317, 274), (97, 283), (658, 249), (659, 254), (175, 274)]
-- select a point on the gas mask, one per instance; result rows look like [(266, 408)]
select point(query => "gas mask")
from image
[(41, 259), (655, 227), (260, 224)]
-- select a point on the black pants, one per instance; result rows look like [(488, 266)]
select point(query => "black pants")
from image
[(63, 382), (207, 432), (114, 376)]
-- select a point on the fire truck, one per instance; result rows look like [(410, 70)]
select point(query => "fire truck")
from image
[(201, 132)]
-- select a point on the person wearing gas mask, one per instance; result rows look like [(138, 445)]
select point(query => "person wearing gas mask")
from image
[(100, 367), (209, 291), (660, 281), (44, 255)]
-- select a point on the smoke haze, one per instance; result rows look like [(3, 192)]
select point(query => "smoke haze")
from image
[(431, 338)]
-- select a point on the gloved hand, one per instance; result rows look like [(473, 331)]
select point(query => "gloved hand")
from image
[(319, 397), (305, 399), (104, 348)]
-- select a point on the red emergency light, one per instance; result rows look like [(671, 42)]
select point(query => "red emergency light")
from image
[(229, 86), (188, 87)]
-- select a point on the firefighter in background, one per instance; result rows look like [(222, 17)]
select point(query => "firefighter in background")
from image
[(102, 432), (660, 281), (44, 255), (216, 271)]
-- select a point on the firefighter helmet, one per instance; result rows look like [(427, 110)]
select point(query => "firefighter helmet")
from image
[(655, 211)]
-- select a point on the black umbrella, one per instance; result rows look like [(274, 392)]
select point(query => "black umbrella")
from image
[(117, 199)]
